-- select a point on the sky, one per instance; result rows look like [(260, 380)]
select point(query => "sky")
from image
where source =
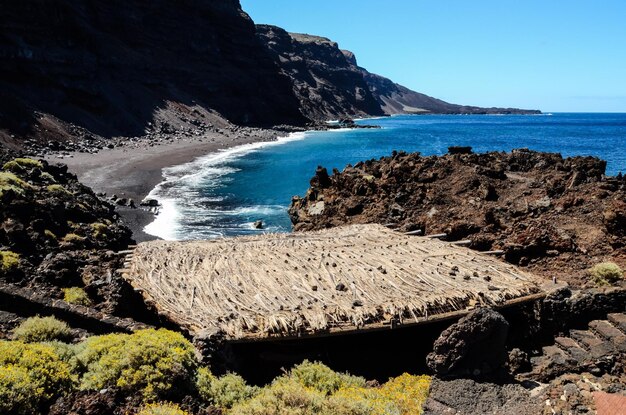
[(556, 56)]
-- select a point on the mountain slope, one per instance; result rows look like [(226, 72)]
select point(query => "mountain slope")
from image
[(110, 66), (326, 84), (397, 99)]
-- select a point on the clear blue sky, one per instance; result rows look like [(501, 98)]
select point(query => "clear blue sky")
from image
[(551, 55)]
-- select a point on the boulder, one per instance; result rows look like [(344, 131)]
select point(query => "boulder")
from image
[(473, 346), (459, 150), (150, 202)]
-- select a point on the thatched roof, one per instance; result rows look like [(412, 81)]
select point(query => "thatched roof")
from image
[(355, 277)]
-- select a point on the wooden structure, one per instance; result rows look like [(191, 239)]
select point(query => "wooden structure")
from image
[(358, 277)]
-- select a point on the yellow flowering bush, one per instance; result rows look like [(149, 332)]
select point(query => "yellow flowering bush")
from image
[(58, 190), (156, 363), (162, 409), (30, 375), (404, 395)]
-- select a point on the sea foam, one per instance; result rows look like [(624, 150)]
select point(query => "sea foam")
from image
[(181, 186)]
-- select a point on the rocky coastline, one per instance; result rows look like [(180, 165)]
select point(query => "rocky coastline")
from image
[(96, 99)]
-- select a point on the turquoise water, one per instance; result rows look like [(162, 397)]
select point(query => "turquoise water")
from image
[(224, 193)]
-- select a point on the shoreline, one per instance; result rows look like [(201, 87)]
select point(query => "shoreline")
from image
[(133, 171)]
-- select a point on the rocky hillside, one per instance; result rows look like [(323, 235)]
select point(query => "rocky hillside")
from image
[(78, 73), (114, 68), (326, 84), (397, 99), (556, 216), (58, 240), (329, 83)]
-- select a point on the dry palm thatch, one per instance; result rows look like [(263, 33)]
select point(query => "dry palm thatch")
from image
[(354, 277)]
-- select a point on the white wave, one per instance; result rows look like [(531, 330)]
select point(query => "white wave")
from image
[(165, 223), (371, 118), (181, 183)]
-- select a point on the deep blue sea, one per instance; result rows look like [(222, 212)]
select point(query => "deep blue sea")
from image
[(223, 194)]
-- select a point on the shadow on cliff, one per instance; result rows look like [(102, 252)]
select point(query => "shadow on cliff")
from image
[(109, 66)]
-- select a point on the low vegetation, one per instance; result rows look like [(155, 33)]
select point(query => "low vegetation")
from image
[(313, 388), (225, 391), (18, 165), (9, 181), (159, 366), (606, 273), (162, 409), (155, 363), (73, 238), (41, 329), (31, 375), (76, 295), (9, 261), (58, 190)]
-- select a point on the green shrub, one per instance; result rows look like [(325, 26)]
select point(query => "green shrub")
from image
[(288, 396), (58, 190), (64, 351), (41, 329), (9, 261), (606, 273), (9, 181), (21, 164), (320, 377), (225, 391), (161, 409), (73, 238), (47, 177), (99, 229), (155, 363), (76, 295), (296, 394), (283, 397), (30, 375)]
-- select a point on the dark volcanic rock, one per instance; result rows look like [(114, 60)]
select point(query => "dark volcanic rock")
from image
[(474, 346), (469, 397), (62, 234), (557, 216), (109, 66), (327, 84)]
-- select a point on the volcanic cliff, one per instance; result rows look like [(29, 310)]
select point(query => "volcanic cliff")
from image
[(109, 67), (329, 83), (84, 72)]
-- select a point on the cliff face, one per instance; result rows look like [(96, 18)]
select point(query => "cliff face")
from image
[(78, 71), (325, 82), (109, 66), (328, 82)]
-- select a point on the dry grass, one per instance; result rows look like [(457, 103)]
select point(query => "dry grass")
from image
[(353, 277)]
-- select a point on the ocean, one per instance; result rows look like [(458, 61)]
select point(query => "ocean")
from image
[(223, 194)]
